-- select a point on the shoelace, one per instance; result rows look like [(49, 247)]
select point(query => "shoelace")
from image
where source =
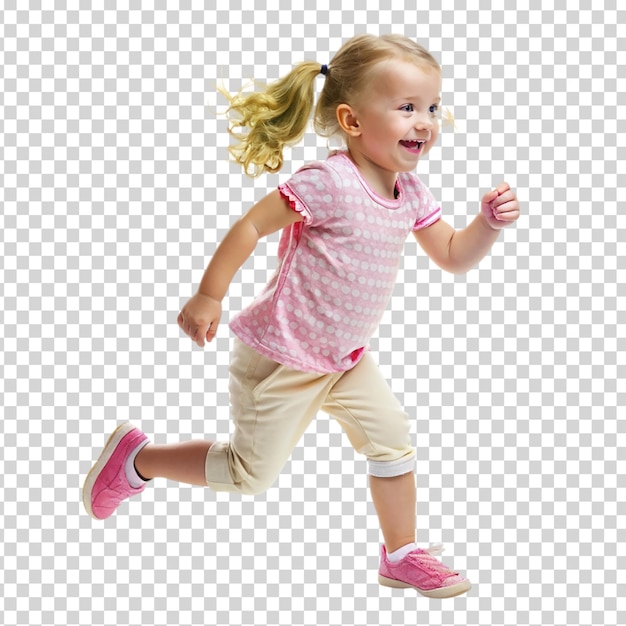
[(435, 548), (428, 560)]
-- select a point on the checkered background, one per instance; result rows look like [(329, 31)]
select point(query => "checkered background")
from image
[(115, 189)]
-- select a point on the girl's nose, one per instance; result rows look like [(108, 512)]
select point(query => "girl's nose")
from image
[(424, 122)]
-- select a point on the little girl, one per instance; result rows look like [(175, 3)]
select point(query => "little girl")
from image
[(302, 345)]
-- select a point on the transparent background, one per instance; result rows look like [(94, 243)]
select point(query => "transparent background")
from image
[(116, 187)]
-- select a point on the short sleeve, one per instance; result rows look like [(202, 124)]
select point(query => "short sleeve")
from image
[(429, 208), (312, 191)]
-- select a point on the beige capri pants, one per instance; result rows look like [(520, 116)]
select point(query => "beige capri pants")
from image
[(273, 405)]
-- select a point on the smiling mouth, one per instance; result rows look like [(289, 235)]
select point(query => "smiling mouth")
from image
[(413, 146)]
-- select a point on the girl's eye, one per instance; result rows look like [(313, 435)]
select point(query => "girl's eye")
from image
[(433, 109), (408, 108)]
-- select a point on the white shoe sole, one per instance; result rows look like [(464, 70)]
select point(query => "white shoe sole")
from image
[(118, 434), (442, 592)]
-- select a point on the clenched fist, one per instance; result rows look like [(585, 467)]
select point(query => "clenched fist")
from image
[(200, 317), (500, 207)]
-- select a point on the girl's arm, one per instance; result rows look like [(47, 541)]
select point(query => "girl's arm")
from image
[(459, 251), (200, 317)]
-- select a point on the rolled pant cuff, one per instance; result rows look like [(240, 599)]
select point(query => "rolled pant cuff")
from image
[(216, 468), (389, 469)]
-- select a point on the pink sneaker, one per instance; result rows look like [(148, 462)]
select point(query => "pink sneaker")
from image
[(106, 485), (422, 571)]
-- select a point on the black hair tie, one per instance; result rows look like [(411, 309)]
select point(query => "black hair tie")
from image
[(324, 69)]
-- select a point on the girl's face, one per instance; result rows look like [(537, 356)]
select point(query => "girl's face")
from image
[(395, 122)]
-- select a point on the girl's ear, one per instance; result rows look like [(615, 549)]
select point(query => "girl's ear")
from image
[(347, 120)]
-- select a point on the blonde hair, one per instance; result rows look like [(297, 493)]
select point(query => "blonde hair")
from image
[(278, 116)]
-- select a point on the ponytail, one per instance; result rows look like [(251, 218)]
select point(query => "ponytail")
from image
[(272, 118)]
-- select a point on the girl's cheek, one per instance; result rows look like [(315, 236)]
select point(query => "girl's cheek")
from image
[(432, 142)]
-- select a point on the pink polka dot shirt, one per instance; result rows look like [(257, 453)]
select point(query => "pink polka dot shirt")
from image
[(337, 268)]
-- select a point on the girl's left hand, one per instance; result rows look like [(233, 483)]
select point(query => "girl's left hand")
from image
[(500, 207)]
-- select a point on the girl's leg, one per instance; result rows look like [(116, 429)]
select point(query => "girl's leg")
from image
[(271, 406), (377, 426), (183, 462), (395, 500)]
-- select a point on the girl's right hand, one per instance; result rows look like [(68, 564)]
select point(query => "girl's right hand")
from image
[(200, 317)]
